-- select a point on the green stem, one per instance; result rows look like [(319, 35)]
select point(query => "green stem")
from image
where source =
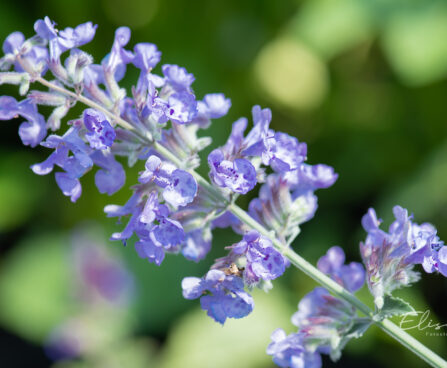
[(389, 327)]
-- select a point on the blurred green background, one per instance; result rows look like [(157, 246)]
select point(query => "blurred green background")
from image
[(364, 83)]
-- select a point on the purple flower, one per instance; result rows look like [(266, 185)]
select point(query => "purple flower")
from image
[(35, 56), (197, 244), (439, 260), (65, 39), (75, 37), (290, 351), (150, 222), (31, 132), (215, 105), (8, 108), (74, 166), (285, 153), (263, 261), (351, 276), (100, 133), (221, 295), (168, 233), (45, 28), (146, 57), (119, 57), (310, 178), (238, 176), (181, 107), (258, 140), (277, 209), (390, 256), (177, 77), (324, 320), (180, 187), (111, 177), (70, 187), (149, 250), (157, 171)]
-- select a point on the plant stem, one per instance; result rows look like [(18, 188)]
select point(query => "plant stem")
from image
[(386, 325)]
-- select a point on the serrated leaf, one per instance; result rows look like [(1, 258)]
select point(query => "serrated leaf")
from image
[(358, 328), (393, 306)]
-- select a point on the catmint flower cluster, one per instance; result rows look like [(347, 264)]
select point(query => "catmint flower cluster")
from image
[(389, 257), (325, 322), (158, 125)]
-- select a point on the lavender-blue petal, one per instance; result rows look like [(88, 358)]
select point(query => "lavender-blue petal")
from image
[(177, 77), (146, 57), (192, 287), (182, 190), (69, 186)]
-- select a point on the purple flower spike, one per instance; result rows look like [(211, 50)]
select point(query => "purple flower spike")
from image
[(323, 320), (390, 256), (290, 351), (351, 276), (100, 133)]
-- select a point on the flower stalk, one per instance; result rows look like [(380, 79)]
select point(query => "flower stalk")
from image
[(386, 325)]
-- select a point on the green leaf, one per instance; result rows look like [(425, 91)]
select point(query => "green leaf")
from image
[(393, 306), (358, 328)]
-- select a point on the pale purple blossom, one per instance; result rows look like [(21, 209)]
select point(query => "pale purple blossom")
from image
[(290, 351), (221, 295)]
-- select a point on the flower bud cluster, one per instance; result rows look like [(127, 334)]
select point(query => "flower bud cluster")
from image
[(324, 322), (390, 257)]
